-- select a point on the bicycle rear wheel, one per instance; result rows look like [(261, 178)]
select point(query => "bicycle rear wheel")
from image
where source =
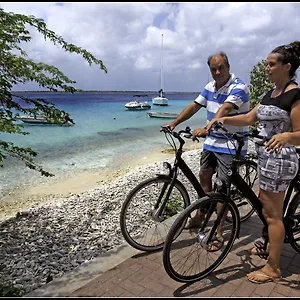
[(141, 228), (248, 170), (185, 254)]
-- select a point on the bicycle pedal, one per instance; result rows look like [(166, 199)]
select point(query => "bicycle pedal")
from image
[(260, 246), (263, 256)]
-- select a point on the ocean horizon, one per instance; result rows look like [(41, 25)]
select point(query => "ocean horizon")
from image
[(105, 135)]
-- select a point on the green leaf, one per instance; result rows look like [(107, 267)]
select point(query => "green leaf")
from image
[(17, 68)]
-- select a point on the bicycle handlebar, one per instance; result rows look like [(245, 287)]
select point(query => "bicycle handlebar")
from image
[(187, 131), (216, 126), (240, 137)]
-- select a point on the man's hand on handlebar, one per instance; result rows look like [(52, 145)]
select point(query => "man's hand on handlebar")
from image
[(199, 132), (172, 125)]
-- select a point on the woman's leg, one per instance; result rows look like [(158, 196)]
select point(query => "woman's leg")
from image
[(273, 212)]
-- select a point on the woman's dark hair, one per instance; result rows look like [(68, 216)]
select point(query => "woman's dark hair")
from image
[(221, 53), (289, 54)]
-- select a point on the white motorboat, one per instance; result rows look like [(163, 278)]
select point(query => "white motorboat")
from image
[(161, 100), (137, 104)]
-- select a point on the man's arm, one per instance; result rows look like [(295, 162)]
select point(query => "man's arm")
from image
[(223, 111)]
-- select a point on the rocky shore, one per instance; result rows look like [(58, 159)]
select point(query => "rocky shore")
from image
[(45, 242)]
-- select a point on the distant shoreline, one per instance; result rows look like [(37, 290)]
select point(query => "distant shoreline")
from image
[(115, 92)]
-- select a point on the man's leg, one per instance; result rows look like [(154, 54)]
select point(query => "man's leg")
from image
[(207, 166), (224, 165)]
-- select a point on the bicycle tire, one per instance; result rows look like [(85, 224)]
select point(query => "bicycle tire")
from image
[(197, 266), (139, 227), (294, 231), (248, 170)]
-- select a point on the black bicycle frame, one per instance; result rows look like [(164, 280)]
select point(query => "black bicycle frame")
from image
[(246, 190), (179, 163), (190, 176)]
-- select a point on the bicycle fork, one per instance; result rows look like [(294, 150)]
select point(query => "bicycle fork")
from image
[(157, 213), (204, 238)]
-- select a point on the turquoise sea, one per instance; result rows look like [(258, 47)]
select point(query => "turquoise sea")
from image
[(104, 134)]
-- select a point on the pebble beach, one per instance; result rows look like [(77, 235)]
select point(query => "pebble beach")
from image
[(50, 234)]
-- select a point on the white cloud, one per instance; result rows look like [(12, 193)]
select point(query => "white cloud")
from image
[(127, 38)]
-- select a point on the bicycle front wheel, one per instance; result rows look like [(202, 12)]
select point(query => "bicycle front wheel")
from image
[(140, 224), (187, 256)]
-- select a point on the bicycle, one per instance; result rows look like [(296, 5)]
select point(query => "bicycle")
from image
[(187, 256), (151, 207)]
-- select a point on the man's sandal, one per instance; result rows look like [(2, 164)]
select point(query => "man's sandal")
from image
[(194, 223), (216, 244)]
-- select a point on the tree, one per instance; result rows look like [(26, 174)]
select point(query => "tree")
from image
[(17, 68), (259, 83)]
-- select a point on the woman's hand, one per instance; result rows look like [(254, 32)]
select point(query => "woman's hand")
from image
[(201, 132), (212, 122), (278, 141)]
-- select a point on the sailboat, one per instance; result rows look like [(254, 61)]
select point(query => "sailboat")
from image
[(161, 99)]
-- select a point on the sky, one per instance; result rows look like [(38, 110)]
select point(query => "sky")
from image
[(127, 37)]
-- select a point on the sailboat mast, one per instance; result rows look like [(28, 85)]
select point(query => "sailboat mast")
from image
[(161, 64)]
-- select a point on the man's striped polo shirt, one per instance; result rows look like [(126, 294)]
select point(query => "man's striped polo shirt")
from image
[(234, 91)]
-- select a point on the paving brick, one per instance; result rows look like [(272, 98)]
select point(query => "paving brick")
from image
[(132, 287), (282, 289), (143, 275), (245, 289), (170, 283), (159, 273), (148, 293), (264, 290), (255, 295), (225, 290), (166, 292), (150, 264), (295, 292), (128, 294), (107, 275), (115, 291), (275, 295), (151, 284)]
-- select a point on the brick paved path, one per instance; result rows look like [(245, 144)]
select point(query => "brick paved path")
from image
[(143, 275)]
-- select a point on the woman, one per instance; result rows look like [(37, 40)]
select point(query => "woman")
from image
[(278, 116)]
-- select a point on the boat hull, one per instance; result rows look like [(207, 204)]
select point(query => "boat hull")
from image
[(40, 121), (161, 101), (164, 115), (136, 105), (138, 108)]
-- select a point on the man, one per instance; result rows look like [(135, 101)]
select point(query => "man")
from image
[(226, 95)]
